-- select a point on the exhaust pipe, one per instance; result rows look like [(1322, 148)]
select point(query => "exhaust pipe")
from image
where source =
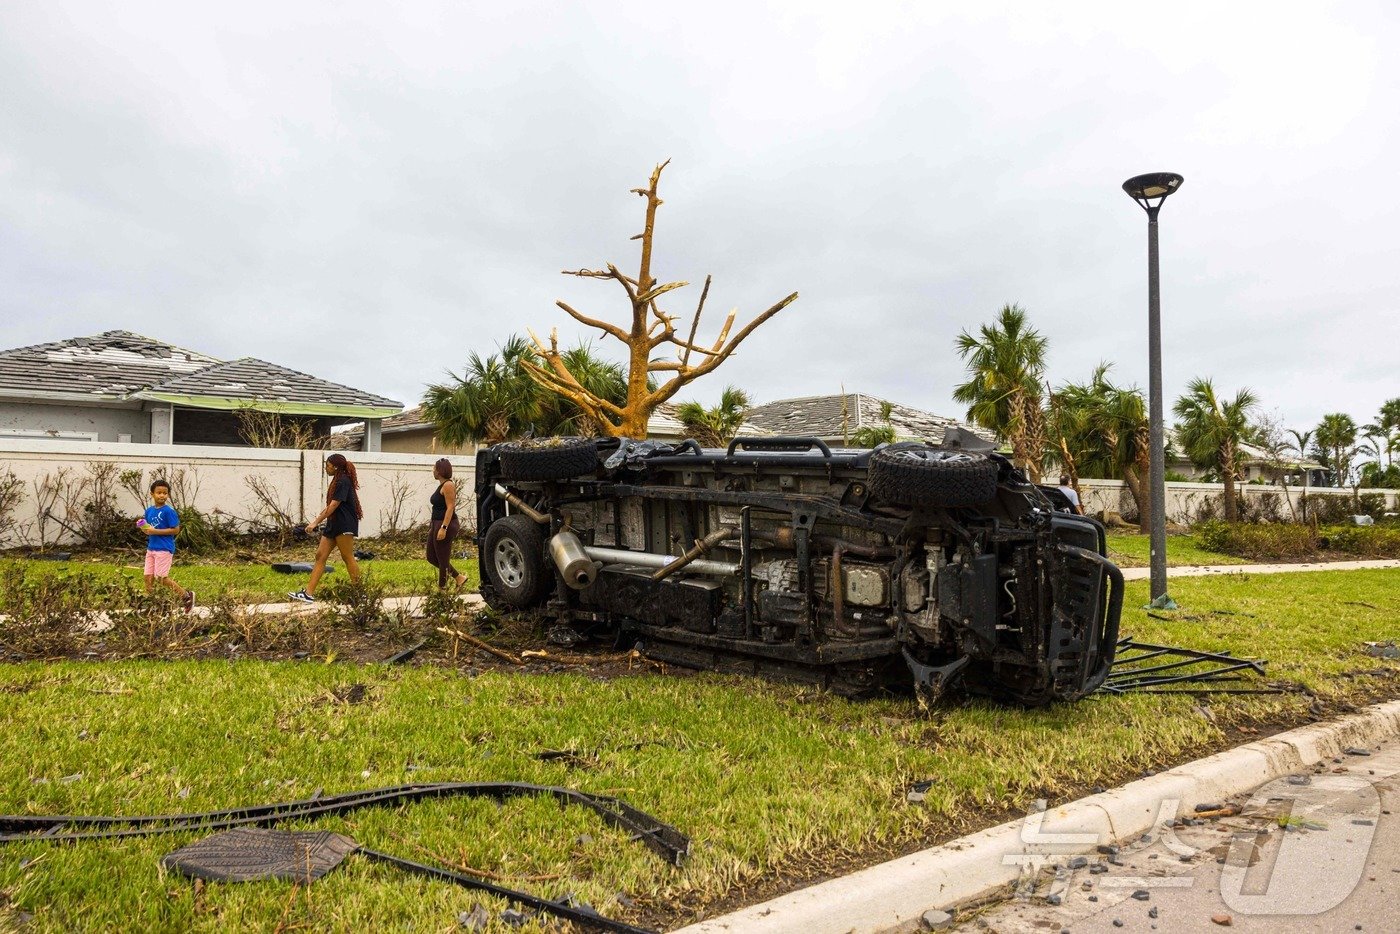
[(645, 559), (702, 547), (577, 569), (520, 504)]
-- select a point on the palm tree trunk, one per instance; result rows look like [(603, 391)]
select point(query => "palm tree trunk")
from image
[(1027, 435), (497, 429), (1227, 470), (1133, 479)]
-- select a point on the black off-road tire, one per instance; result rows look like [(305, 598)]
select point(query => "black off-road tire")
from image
[(548, 458), (512, 561), (912, 474)]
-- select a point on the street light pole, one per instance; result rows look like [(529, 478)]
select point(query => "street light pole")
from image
[(1143, 189)]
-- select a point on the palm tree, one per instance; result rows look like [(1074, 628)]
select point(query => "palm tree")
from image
[(1101, 430), (1004, 391), (1210, 430), (493, 400), (716, 426), (1335, 440), (869, 436), (1386, 429)]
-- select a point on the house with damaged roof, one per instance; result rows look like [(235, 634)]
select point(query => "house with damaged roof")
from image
[(122, 387), (836, 418)]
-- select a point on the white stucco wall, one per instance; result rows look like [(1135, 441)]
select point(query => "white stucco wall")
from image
[(1184, 500), (218, 477)]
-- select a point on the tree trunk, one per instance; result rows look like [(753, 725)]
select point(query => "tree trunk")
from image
[(1227, 470), (497, 430), (1028, 435), (1141, 496)]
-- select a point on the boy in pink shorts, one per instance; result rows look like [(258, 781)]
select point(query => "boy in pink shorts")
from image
[(160, 524)]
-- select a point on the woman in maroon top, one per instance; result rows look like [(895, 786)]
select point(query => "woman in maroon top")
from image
[(444, 527)]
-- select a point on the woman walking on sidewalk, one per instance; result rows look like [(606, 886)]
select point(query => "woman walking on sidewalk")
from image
[(342, 516), (444, 527)]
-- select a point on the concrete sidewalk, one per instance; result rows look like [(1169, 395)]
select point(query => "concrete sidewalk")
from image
[(102, 622), (1336, 866), (1208, 570)]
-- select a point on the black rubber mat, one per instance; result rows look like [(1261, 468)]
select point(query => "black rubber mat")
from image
[(247, 854)]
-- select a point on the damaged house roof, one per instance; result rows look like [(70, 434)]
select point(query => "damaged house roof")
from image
[(122, 366), (837, 417)]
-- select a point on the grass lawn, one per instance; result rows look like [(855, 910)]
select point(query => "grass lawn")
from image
[(770, 780), (400, 568), (1133, 551)]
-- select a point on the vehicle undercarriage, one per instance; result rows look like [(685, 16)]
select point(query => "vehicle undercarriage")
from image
[(857, 570)]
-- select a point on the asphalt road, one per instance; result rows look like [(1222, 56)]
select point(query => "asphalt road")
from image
[(1320, 856)]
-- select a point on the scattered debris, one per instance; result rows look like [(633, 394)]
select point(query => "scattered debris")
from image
[(1382, 649), (400, 657), (934, 920), (1161, 669), (1142, 895), (1222, 920), (1356, 751), (919, 790), (475, 920)]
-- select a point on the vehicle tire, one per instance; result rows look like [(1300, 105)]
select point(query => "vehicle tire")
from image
[(513, 561), (548, 458), (913, 474)]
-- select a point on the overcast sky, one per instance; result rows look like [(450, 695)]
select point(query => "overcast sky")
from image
[(367, 191)]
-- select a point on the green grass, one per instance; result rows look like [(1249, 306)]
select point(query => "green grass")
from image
[(1133, 551), (252, 581), (766, 778)]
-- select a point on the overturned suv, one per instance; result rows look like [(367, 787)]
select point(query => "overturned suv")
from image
[(936, 565)]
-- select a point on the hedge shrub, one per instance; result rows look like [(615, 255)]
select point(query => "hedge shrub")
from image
[(1281, 541)]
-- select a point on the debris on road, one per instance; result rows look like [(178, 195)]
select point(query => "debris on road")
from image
[(1165, 669)]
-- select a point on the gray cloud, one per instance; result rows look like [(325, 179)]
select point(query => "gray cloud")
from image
[(369, 193)]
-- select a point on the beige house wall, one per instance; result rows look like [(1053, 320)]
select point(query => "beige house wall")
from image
[(422, 441)]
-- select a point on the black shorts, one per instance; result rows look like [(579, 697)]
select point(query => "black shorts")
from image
[(335, 531)]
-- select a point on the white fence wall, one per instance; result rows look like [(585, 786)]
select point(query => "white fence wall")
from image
[(1185, 500), (218, 478)]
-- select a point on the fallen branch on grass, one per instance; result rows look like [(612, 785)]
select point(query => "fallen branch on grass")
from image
[(476, 643)]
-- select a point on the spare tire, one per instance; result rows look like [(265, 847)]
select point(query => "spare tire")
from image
[(548, 458), (913, 474), (513, 563)]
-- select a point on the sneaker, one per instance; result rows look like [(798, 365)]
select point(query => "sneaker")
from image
[(302, 596), (188, 601)]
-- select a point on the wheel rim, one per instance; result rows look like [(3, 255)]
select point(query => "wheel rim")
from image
[(509, 562), (927, 456)]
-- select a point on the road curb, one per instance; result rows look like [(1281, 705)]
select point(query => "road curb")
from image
[(892, 896)]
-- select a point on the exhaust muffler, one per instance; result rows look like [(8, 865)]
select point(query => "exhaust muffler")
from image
[(577, 569)]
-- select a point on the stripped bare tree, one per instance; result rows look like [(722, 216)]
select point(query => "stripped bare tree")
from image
[(650, 337)]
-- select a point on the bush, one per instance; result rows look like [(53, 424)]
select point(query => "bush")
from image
[(1273, 542), (1367, 541), (1297, 542)]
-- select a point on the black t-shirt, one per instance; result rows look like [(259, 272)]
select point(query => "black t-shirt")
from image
[(343, 520)]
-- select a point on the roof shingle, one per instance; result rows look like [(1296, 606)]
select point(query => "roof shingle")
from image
[(122, 365), (837, 417)]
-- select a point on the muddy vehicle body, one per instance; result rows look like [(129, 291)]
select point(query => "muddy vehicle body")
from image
[(936, 566)]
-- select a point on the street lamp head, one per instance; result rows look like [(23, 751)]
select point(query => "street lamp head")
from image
[(1144, 188)]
